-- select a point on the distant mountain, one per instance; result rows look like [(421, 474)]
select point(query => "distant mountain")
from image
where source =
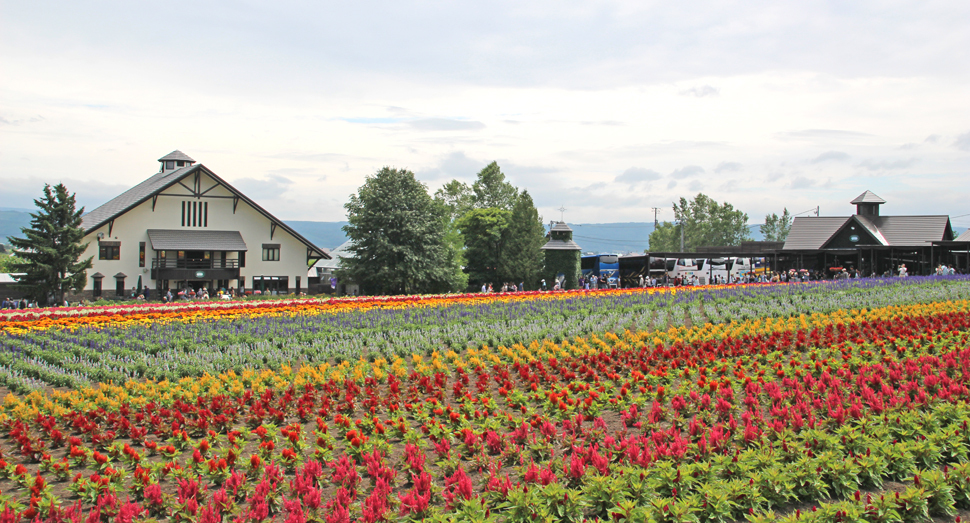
[(11, 223), (620, 238), (327, 235)]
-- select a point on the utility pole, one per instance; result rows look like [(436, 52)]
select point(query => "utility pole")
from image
[(655, 222)]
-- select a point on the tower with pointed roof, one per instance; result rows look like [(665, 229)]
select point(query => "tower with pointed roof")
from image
[(175, 160), (562, 256), (867, 204)]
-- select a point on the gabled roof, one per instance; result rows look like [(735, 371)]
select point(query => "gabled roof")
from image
[(159, 182), (176, 155), (871, 228), (810, 232), (965, 237), (132, 197), (912, 231), (343, 251), (867, 197)]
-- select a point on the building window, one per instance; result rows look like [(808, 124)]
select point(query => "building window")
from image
[(119, 286), (271, 284), (242, 259), (271, 252), (180, 163), (169, 165), (141, 254), (195, 214), (97, 288), (109, 250)]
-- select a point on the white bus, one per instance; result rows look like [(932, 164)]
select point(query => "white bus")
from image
[(686, 268)]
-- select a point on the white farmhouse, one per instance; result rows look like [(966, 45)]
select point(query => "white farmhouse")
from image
[(185, 227)]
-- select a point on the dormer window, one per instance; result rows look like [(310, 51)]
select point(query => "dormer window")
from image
[(180, 163), (169, 165)]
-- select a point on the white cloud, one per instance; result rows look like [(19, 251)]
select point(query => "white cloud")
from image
[(963, 142), (445, 124), (270, 188), (831, 156), (727, 167), (686, 172), (635, 175), (566, 97), (700, 92), (888, 165)]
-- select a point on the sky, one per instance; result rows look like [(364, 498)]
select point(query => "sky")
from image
[(606, 109)]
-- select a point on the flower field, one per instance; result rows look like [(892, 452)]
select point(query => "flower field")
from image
[(808, 402)]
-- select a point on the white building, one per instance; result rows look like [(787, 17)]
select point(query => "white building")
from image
[(324, 271), (187, 227)]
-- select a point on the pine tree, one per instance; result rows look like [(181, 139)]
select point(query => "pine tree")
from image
[(49, 254)]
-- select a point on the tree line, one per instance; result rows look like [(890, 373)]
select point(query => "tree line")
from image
[(406, 241)]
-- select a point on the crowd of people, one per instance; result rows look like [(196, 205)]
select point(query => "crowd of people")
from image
[(11, 303)]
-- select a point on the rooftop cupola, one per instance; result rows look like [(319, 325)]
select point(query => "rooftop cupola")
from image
[(867, 204), (175, 160)]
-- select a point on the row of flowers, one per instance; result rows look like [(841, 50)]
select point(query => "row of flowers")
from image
[(710, 422), (171, 347)]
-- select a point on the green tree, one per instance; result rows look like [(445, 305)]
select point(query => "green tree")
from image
[(705, 222), (775, 228), (523, 260), (457, 197), (491, 189), (398, 234), (49, 254), (665, 238), (486, 233), (6, 262)]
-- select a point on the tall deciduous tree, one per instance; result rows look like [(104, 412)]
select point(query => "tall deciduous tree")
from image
[(486, 234), (524, 259), (705, 223), (491, 189), (775, 228), (49, 254), (457, 197), (398, 235)]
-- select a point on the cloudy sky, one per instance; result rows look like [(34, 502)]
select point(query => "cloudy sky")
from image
[(606, 108)]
